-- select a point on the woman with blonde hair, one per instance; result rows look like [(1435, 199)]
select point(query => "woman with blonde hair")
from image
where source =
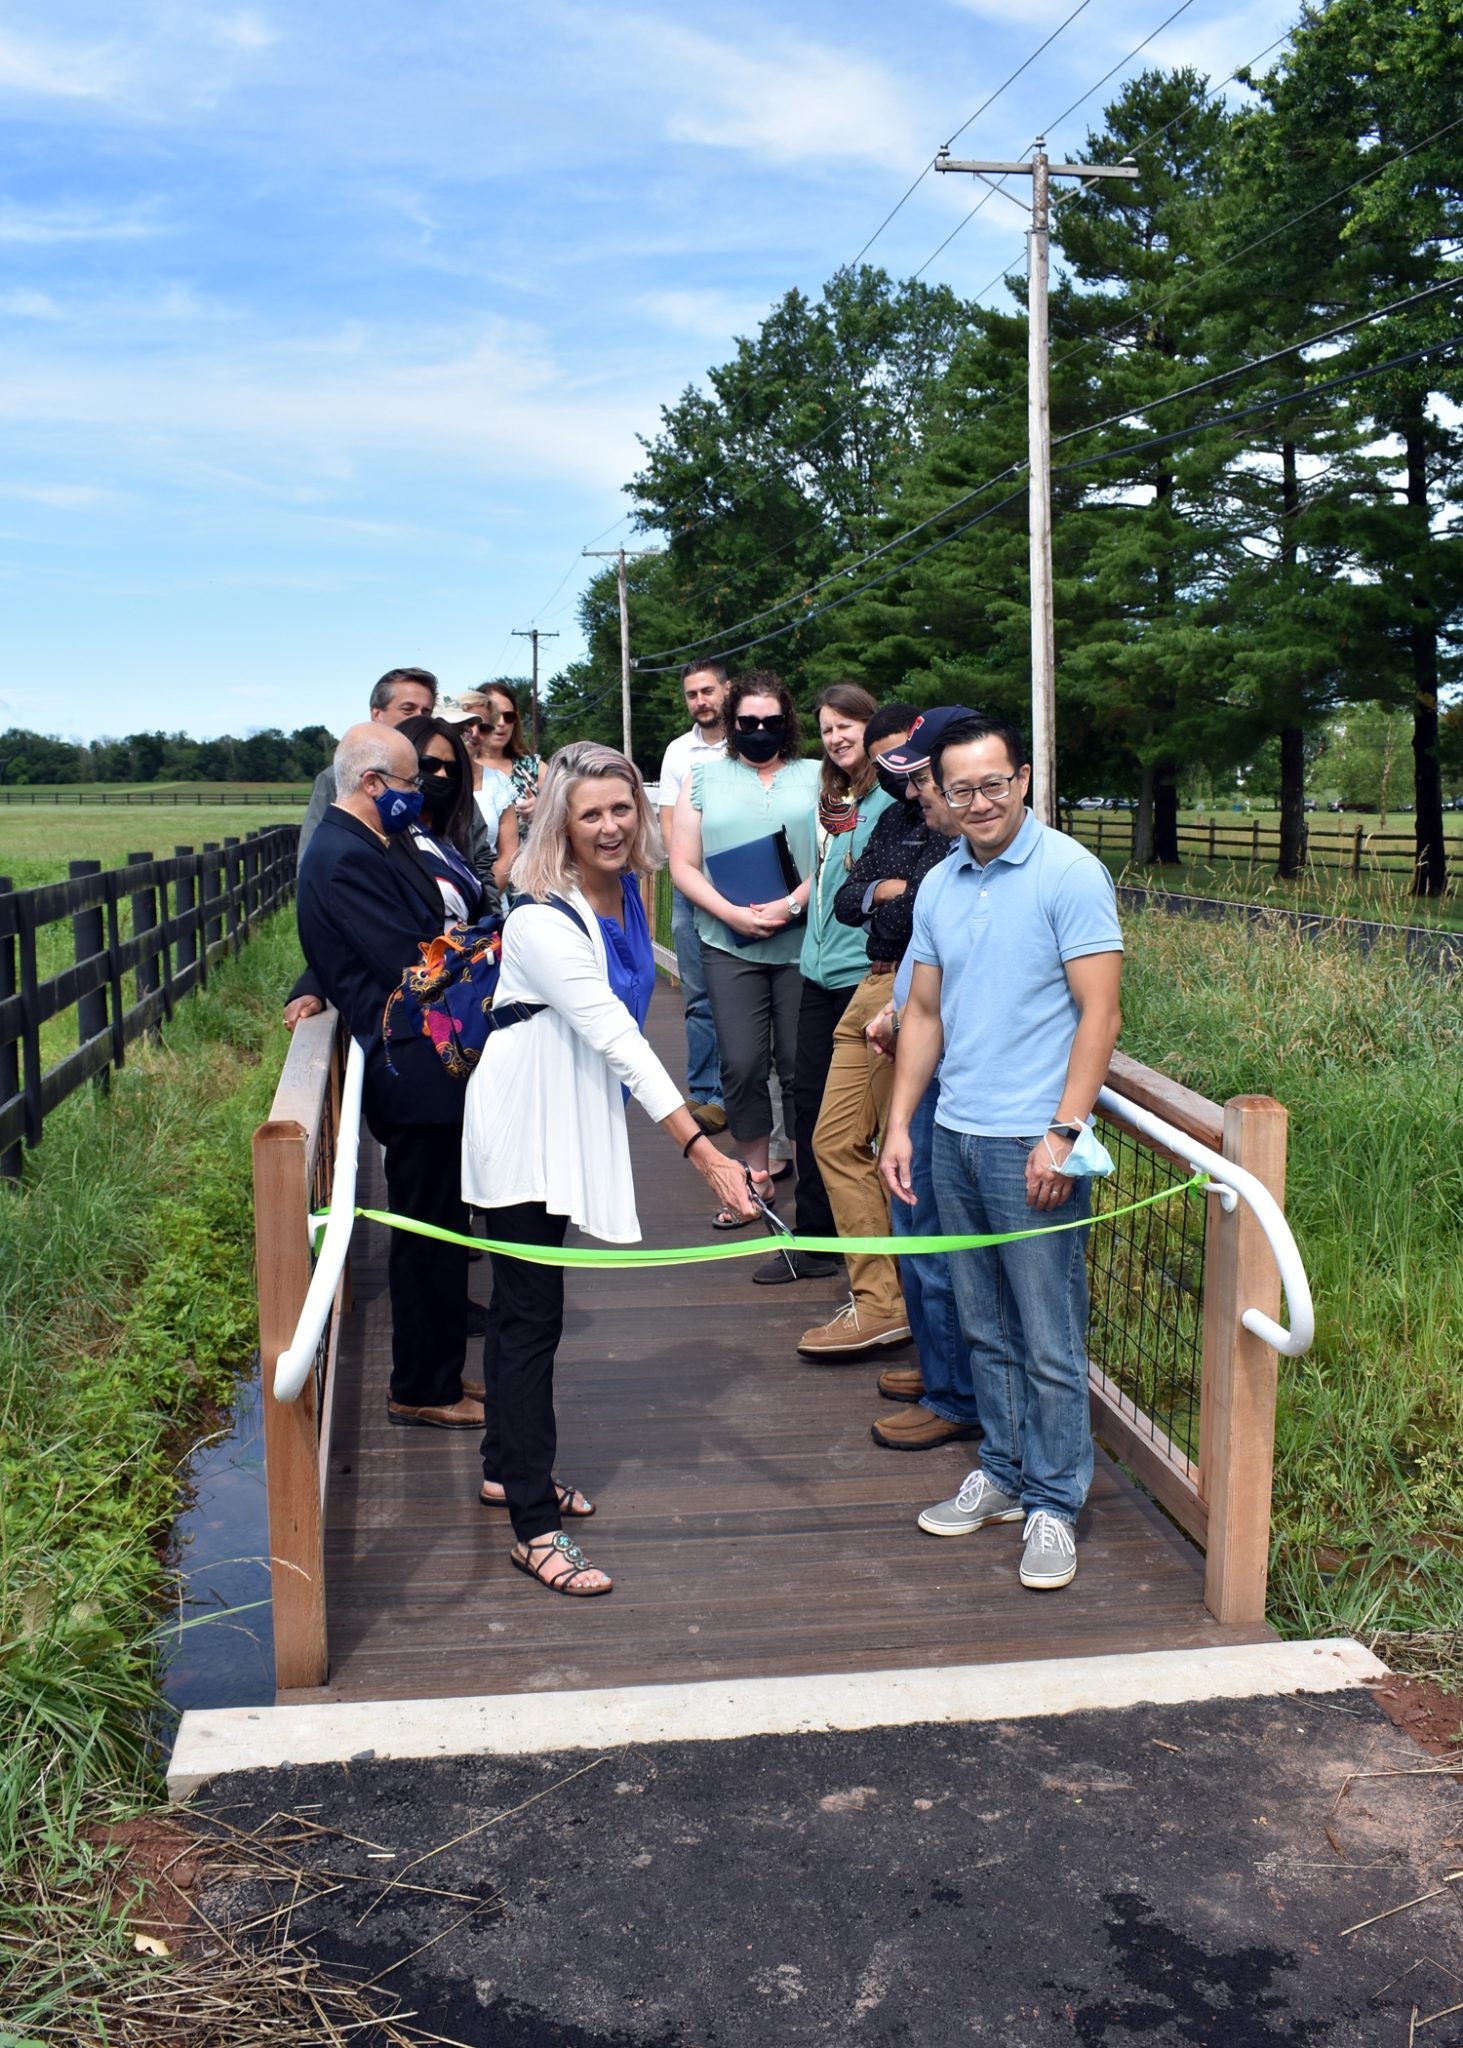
[(544, 1136)]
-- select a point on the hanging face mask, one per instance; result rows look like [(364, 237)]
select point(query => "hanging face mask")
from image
[(398, 809), (1089, 1158), (892, 782), (761, 746)]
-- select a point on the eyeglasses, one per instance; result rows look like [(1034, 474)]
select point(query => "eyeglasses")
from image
[(746, 723), (387, 775), (995, 789), (430, 767), (502, 718)]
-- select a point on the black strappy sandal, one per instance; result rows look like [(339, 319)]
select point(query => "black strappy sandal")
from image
[(567, 1582)]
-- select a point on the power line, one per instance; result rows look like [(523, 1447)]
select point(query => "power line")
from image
[(1212, 383), (1273, 404), (1136, 51)]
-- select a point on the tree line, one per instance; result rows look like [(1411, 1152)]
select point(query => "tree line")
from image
[(28, 759), (1258, 455)]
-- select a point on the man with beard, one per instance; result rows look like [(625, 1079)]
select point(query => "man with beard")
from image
[(704, 685)]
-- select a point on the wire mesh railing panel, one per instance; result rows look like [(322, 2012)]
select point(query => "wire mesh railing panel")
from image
[(1146, 1275)]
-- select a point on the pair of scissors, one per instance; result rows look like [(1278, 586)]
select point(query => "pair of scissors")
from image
[(771, 1221)]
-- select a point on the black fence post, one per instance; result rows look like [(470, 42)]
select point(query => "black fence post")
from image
[(185, 902), (210, 899), (233, 891), (251, 879), (88, 938), (144, 920), (9, 1047)]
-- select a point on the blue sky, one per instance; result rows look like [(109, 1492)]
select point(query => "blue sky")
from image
[(326, 331)]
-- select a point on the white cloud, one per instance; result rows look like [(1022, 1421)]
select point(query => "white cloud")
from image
[(62, 497), (246, 30), (56, 72), (711, 315), (28, 305), (791, 101), (491, 394), (45, 225)]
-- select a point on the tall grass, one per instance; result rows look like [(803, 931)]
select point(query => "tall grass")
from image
[(126, 1308), (1367, 1055)]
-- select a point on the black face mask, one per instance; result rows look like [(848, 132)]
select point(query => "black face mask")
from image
[(892, 782), (765, 745), (440, 792)]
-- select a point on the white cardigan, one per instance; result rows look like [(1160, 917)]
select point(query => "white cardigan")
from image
[(545, 1118)]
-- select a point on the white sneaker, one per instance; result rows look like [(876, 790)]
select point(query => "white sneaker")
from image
[(1050, 1557)]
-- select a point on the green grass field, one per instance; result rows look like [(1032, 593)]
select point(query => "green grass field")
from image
[(36, 845)]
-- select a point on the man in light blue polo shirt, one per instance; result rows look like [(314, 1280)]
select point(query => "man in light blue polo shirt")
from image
[(1018, 956)]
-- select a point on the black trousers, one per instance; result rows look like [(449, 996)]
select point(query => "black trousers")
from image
[(525, 1322), (427, 1281), (818, 1017)]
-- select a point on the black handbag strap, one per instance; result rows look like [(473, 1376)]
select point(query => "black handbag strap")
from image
[(502, 1015)]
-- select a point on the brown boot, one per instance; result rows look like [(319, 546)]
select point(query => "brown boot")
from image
[(917, 1430), (901, 1383)]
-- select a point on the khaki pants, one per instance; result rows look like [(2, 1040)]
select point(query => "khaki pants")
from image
[(855, 1103)]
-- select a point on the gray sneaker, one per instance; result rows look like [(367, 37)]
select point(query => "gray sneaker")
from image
[(1050, 1557), (977, 1503)]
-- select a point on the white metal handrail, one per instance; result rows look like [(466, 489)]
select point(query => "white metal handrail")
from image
[(1231, 1183), (292, 1368)]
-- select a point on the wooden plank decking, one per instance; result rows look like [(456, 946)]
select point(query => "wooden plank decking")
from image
[(752, 1526)]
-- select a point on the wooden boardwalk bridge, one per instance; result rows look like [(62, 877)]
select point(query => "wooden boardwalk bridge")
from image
[(752, 1525)]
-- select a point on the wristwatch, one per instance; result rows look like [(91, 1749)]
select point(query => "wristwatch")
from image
[(1072, 1131), (794, 908)]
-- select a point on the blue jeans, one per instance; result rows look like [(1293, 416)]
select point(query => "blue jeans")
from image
[(703, 1063), (929, 1300), (1023, 1314)]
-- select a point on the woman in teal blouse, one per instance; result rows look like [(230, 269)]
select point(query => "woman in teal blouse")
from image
[(834, 957), (751, 951)]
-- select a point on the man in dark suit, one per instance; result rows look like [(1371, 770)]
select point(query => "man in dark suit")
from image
[(365, 902)]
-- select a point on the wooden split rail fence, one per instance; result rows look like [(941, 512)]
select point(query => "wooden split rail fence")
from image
[(1333, 849), (158, 925)]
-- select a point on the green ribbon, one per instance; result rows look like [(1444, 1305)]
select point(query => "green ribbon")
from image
[(701, 1254)]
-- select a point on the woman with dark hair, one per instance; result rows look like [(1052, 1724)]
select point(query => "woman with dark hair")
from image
[(544, 1137), (509, 774), (833, 959), (750, 950), (443, 835)]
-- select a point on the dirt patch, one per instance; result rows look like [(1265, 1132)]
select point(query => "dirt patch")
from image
[(161, 1869), (1432, 1716)]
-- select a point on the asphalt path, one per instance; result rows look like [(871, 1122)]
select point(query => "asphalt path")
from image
[(1175, 1875)]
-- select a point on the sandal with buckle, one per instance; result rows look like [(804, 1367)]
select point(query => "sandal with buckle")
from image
[(559, 1545), (576, 1505), (728, 1219)]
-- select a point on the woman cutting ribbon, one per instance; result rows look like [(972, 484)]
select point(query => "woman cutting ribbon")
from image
[(544, 1137)]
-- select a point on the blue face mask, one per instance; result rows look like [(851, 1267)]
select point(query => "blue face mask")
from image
[(1089, 1158), (398, 809)]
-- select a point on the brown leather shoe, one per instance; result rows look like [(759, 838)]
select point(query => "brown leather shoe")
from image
[(709, 1115), (463, 1414), (918, 1430), (901, 1383), (473, 1390)]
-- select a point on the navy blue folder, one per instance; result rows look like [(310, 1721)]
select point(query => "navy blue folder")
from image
[(760, 871)]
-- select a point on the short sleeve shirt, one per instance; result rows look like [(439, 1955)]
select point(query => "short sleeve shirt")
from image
[(680, 757), (1001, 936), (737, 807)]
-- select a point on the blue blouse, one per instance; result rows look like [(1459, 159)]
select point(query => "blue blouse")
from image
[(627, 952)]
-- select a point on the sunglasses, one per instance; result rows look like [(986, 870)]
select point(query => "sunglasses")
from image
[(430, 767), (748, 724)]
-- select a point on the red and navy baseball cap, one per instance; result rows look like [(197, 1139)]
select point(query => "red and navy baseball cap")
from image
[(924, 736)]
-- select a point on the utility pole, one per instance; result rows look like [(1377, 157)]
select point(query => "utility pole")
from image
[(622, 555), (1039, 440), (533, 633)]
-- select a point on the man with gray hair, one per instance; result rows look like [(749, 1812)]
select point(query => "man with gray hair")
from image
[(366, 902)]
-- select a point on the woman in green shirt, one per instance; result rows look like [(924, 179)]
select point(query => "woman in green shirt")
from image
[(834, 957), (750, 951)]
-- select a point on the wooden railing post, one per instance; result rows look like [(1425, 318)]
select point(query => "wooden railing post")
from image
[(144, 920), (1237, 1427), (291, 1447), (9, 1044)]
